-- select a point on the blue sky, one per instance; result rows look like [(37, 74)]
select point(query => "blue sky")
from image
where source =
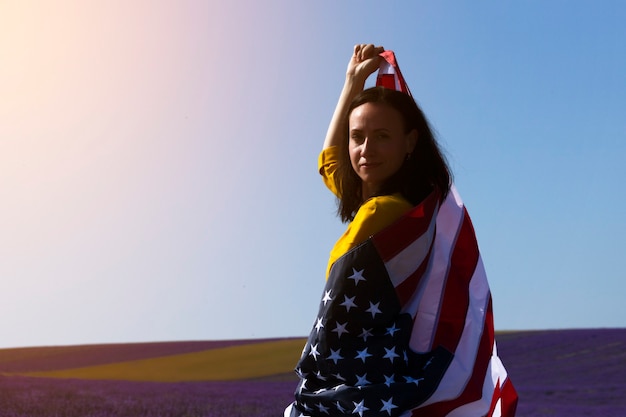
[(159, 181)]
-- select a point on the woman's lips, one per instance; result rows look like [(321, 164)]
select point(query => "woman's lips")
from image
[(369, 165)]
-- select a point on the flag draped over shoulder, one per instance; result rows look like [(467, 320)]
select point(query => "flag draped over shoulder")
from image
[(405, 323)]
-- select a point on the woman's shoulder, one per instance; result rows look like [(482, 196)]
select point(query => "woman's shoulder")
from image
[(327, 165), (379, 212), (384, 203), (328, 155)]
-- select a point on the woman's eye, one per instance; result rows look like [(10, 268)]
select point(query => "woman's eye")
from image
[(357, 138)]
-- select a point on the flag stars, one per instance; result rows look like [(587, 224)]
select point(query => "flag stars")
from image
[(340, 329), (338, 377), (302, 386), (327, 297), (388, 405), (320, 376), (357, 276), (359, 408), (365, 334), (361, 380), (391, 354), (335, 356), (392, 330), (333, 381), (348, 302), (314, 351), (411, 380), (362, 354), (320, 324), (374, 309), (322, 408)]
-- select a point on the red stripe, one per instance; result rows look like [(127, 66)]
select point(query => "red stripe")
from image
[(386, 80), (509, 399), (497, 393), (393, 239), (455, 302), (406, 289), (390, 57)]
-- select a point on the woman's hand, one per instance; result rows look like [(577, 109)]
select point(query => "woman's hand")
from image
[(364, 61)]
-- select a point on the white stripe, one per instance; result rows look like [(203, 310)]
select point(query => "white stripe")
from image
[(427, 303), (461, 368), (397, 80), (386, 68), (481, 406)]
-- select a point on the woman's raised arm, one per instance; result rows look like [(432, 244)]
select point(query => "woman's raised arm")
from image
[(364, 61)]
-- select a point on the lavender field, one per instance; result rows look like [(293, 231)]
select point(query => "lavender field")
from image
[(43, 397), (568, 373)]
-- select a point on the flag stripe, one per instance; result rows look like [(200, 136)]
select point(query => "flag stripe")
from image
[(508, 398), (406, 258), (426, 306), (495, 410), (455, 389), (456, 299), (391, 242), (409, 288), (475, 343), (387, 81), (390, 67)]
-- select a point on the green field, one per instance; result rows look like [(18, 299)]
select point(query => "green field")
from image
[(245, 361)]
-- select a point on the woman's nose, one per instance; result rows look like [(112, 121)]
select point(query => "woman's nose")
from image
[(366, 147)]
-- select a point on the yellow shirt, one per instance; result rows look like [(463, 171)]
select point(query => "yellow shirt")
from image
[(374, 215)]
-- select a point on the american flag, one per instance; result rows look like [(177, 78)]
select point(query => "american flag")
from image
[(389, 74), (405, 325)]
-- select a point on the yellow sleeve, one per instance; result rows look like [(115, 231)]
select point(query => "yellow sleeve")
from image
[(373, 216), (327, 165)]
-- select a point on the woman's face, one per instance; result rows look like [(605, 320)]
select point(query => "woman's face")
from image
[(378, 145)]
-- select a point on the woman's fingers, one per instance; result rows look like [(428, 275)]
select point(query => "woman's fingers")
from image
[(366, 51), (364, 60)]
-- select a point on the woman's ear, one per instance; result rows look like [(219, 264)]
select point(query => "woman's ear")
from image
[(411, 140)]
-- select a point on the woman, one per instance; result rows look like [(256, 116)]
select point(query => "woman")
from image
[(385, 161), (404, 326)]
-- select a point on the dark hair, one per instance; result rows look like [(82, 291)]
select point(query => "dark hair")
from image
[(425, 170)]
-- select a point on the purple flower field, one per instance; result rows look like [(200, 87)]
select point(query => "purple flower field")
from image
[(563, 373), (567, 373), (42, 397)]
